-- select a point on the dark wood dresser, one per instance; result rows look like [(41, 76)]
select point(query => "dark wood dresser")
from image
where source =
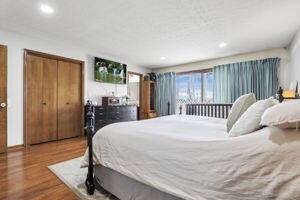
[(105, 115)]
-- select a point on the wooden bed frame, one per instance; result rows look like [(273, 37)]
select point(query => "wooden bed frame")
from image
[(90, 131), (90, 124), (218, 110)]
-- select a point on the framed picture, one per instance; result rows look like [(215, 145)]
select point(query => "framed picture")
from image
[(108, 71)]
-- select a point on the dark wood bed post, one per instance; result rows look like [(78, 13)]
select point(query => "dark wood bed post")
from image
[(180, 110), (90, 123), (279, 95), (169, 108)]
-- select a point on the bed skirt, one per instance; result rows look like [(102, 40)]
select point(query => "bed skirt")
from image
[(126, 188)]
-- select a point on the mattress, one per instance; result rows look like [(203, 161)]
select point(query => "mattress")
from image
[(192, 157)]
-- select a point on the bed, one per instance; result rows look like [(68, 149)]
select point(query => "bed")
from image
[(191, 157)]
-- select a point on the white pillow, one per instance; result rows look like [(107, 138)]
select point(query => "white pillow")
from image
[(250, 120), (238, 108), (284, 115)]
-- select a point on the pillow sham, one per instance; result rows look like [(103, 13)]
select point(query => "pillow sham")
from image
[(238, 108), (250, 120), (284, 115)]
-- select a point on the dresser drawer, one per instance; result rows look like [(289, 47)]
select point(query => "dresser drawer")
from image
[(100, 116), (100, 121), (100, 109), (128, 119), (114, 108), (132, 111)]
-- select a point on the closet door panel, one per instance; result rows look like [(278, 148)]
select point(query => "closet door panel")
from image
[(49, 104), (69, 100), (3, 98), (41, 100), (34, 94)]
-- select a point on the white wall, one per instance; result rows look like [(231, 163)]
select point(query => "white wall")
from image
[(280, 52), (16, 44), (295, 58)]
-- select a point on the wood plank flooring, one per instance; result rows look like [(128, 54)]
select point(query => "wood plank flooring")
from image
[(24, 173)]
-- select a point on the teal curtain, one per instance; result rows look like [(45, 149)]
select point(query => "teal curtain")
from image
[(165, 92), (236, 79)]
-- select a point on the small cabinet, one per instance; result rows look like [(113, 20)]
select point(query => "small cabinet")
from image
[(148, 100)]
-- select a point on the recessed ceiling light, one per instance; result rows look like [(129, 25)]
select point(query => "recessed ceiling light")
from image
[(163, 58), (223, 44), (46, 9)]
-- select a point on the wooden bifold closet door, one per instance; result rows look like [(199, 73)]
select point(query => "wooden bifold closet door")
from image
[(3, 99), (69, 99), (53, 98), (41, 98)]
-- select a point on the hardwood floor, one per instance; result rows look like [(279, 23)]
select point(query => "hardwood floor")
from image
[(24, 173)]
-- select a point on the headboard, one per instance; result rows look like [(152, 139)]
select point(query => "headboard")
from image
[(281, 98)]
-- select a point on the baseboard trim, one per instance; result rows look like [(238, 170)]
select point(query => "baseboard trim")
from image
[(15, 148)]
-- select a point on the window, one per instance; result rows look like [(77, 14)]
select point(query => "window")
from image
[(194, 87)]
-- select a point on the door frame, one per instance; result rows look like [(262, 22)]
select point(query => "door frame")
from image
[(140, 88), (5, 66), (28, 52)]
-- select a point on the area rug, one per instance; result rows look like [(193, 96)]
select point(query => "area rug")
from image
[(70, 173)]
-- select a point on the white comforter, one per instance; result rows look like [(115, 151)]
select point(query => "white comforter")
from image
[(193, 158)]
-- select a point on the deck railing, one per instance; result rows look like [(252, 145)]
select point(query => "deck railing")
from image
[(219, 110)]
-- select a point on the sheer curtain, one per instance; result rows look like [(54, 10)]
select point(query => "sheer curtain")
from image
[(165, 92), (236, 79)]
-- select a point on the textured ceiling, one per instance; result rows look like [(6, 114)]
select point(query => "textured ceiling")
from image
[(142, 31)]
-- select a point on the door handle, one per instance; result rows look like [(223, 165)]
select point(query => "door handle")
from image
[(3, 105)]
